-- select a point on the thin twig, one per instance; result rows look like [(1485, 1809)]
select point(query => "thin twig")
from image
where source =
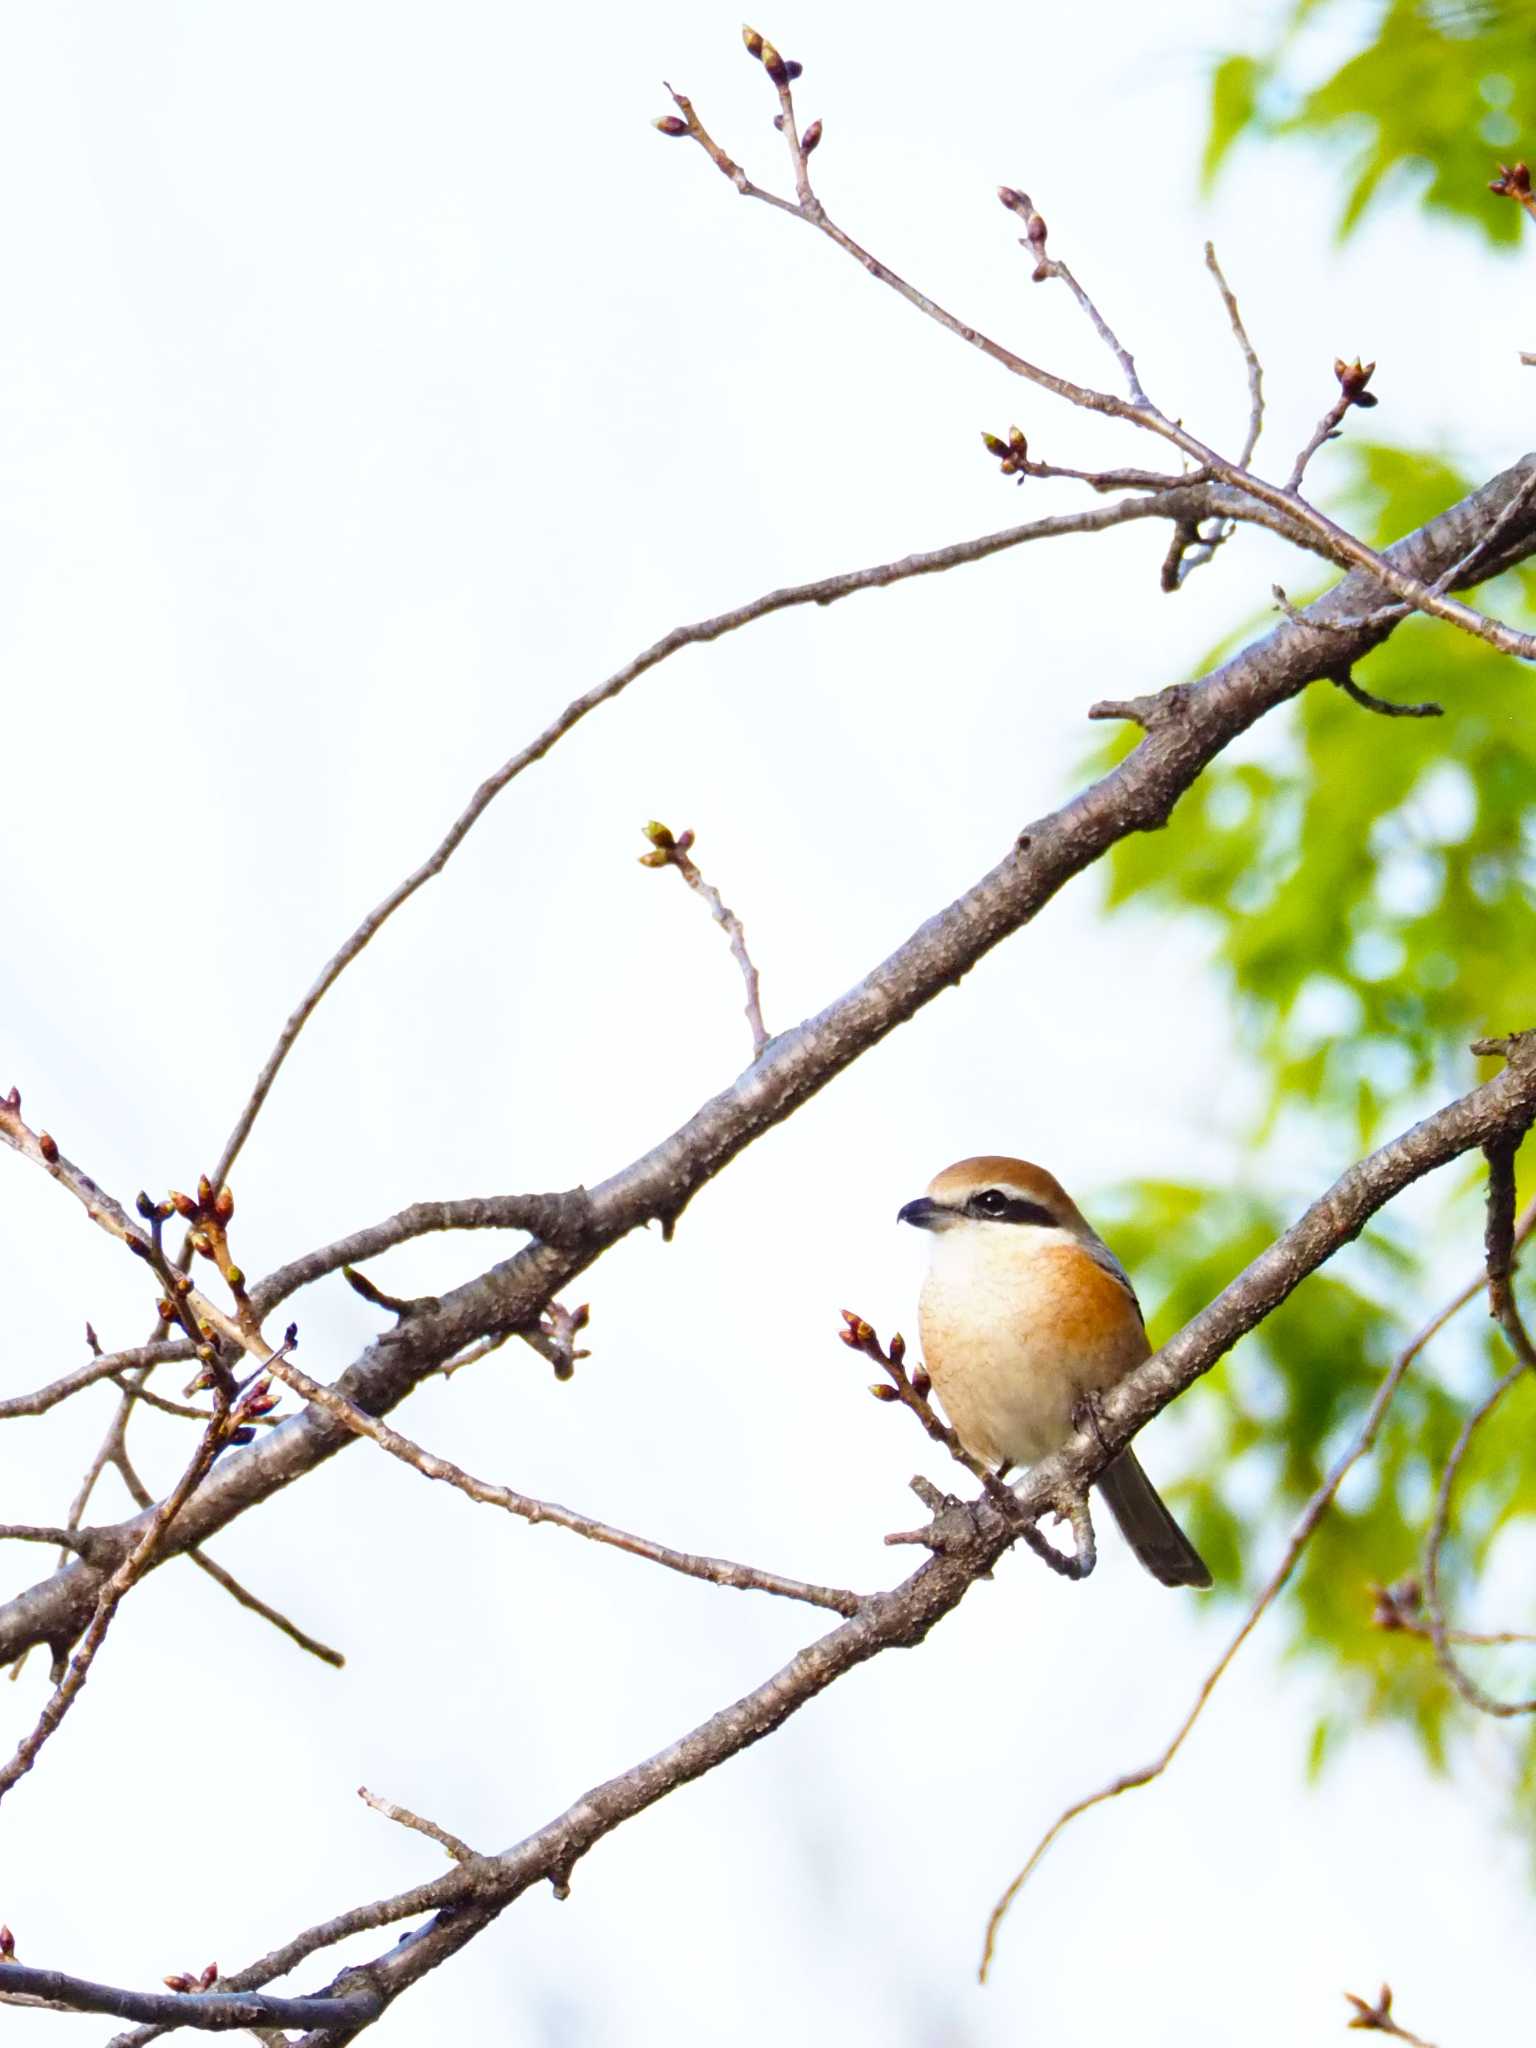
[(1384, 707), (669, 852), (459, 1851), (102, 1368), (718, 1571), (1250, 358), (1300, 1536), (84, 1543)]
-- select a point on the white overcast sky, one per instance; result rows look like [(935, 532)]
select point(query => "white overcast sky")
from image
[(372, 380)]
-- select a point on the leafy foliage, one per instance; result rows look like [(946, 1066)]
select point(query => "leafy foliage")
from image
[(1436, 93)]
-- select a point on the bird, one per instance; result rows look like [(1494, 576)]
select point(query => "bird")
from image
[(1026, 1317)]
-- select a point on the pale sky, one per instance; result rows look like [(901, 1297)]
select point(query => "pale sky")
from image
[(372, 381)]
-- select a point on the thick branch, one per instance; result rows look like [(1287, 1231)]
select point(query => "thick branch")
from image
[(213, 2011), (1189, 726)]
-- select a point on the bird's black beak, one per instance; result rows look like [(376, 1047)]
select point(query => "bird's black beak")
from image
[(923, 1214)]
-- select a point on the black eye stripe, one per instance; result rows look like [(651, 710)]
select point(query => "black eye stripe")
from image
[(994, 1206)]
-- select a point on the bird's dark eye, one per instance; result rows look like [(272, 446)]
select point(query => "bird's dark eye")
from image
[(996, 1205)]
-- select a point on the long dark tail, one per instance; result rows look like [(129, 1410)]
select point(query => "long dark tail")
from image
[(1147, 1526)]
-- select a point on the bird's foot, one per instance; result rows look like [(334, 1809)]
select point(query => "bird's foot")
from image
[(1088, 1416)]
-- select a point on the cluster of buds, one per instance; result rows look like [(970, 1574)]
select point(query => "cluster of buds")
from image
[(860, 1336), (1513, 182), (209, 1212), (1012, 454), (666, 846), (1353, 378), (782, 70), (1033, 238), (185, 1980)]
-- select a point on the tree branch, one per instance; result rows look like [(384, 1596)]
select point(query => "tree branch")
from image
[(1308, 527), (1190, 725), (212, 2011)]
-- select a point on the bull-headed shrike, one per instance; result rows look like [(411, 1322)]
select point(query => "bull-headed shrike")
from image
[(1026, 1315)]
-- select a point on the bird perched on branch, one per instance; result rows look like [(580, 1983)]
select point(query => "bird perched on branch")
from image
[(1026, 1316)]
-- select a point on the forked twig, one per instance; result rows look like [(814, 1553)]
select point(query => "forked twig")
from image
[(669, 852)]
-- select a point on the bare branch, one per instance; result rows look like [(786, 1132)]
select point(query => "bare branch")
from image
[(718, 1571), (667, 852), (211, 2011), (1307, 526), (1250, 358), (459, 1851), (103, 1368), (1384, 707)]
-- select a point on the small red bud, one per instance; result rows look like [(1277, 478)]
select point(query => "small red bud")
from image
[(179, 1982), (922, 1386), (753, 41), (7, 1943), (182, 1204), (204, 1190), (224, 1205), (898, 1348), (882, 1392), (48, 1147), (210, 1975), (810, 138), (669, 124), (772, 62), (1036, 231)]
